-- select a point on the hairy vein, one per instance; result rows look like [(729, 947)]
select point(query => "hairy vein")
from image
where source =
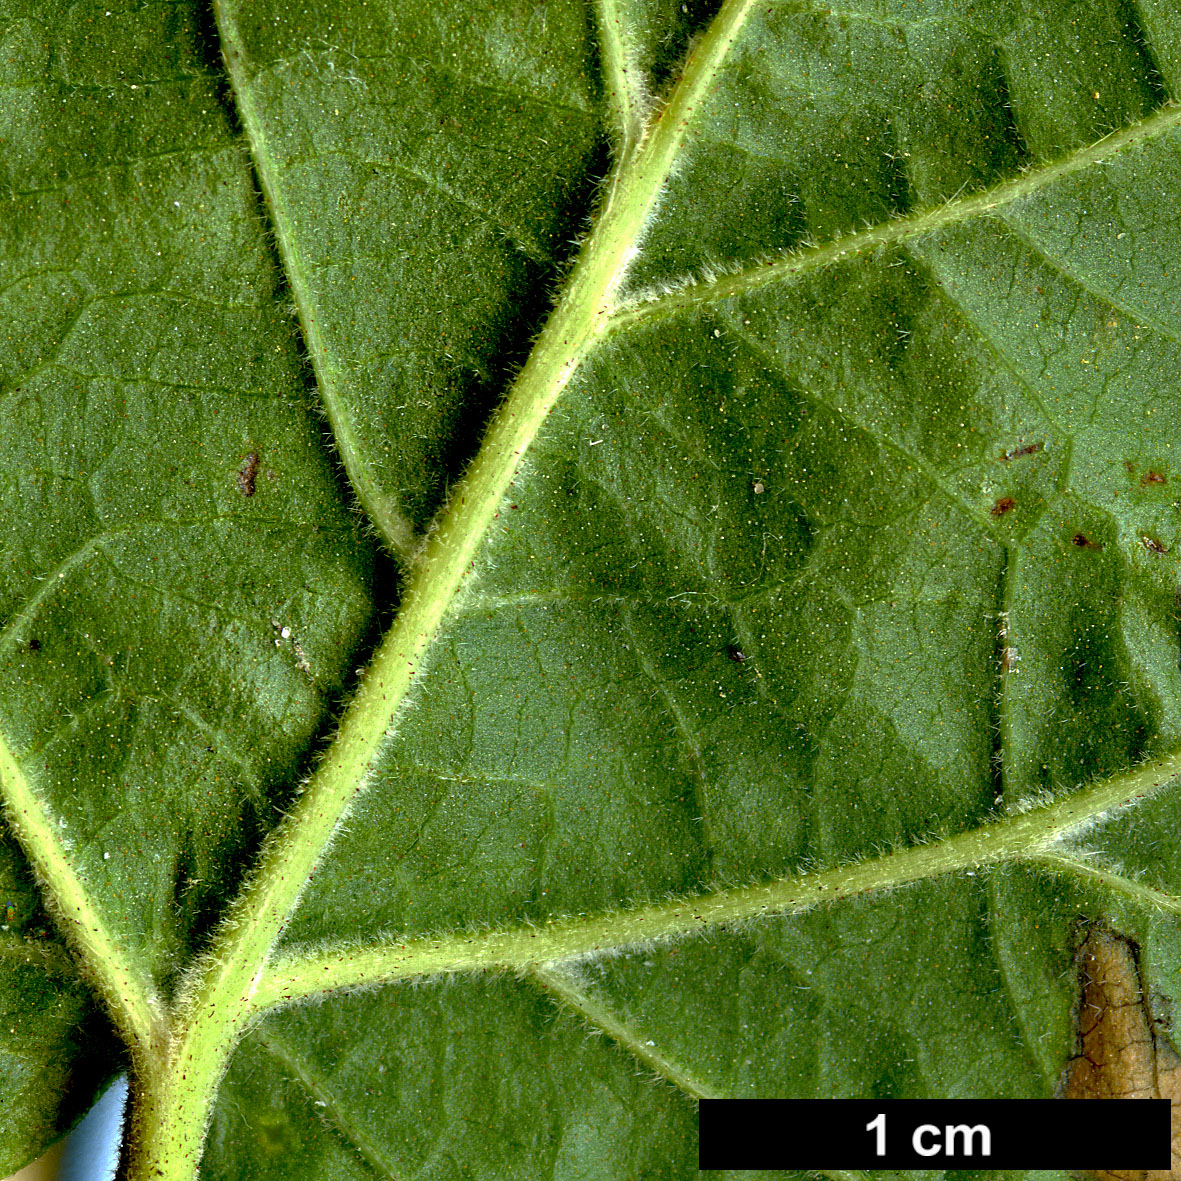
[(564, 987), (624, 85), (217, 1002), (1028, 836), (124, 986), (1146, 897), (646, 306), (395, 528)]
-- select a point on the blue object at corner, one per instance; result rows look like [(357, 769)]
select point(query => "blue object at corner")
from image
[(92, 1148)]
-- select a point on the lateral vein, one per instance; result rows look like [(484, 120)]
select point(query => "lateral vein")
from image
[(695, 293), (565, 988), (1032, 836), (393, 525), (625, 89), (129, 996), (1146, 897)]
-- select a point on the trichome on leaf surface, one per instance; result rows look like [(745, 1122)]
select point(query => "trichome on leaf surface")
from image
[(526, 518)]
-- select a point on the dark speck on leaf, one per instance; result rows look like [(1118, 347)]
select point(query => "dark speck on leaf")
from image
[(736, 653), (1084, 542), (1152, 478), (246, 474), (34, 645), (1018, 452), (1006, 504), (1153, 546)]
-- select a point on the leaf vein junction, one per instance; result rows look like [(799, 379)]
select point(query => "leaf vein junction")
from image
[(1031, 836), (332, 1111), (695, 293)]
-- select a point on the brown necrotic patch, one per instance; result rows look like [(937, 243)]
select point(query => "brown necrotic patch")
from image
[(1121, 1053), (247, 473), (1006, 504)]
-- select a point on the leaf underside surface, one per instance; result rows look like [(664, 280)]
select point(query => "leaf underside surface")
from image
[(846, 545)]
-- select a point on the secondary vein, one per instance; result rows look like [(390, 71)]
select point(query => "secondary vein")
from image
[(126, 989), (563, 986), (695, 293), (1032, 836), (1147, 897), (393, 525), (624, 86)]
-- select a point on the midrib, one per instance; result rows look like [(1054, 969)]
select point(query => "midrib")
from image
[(217, 1001), (452, 547)]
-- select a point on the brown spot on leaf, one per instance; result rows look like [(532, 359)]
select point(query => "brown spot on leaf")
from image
[(1121, 1056), (247, 473), (1018, 452), (1084, 542), (1153, 546), (1006, 504), (1151, 477)]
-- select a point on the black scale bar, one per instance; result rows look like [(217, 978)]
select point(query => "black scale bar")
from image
[(1076, 1134)]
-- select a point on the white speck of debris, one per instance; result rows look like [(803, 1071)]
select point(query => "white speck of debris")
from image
[(759, 487), (321, 1103), (302, 661), (177, 204), (594, 442), (286, 633), (106, 856), (649, 1043)]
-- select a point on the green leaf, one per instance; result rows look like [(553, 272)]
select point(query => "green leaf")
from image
[(728, 604)]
